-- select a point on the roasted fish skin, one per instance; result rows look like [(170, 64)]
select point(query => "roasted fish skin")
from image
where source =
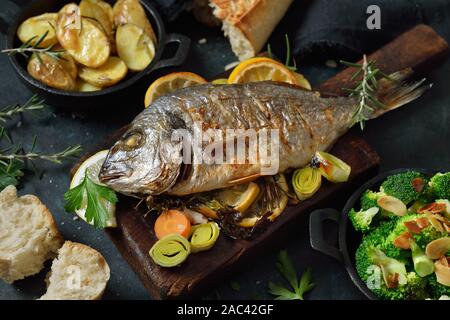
[(306, 122)]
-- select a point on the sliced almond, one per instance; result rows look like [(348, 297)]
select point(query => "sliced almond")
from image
[(413, 226), (442, 271), (438, 248), (435, 222), (403, 241), (433, 208), (447, 228), (393, 205), (418, 184), (423, 222)]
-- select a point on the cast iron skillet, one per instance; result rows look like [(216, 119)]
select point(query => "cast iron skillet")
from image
[(348, 238), (122, 93)]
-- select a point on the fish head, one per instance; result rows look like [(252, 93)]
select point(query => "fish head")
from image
[(144, 161)]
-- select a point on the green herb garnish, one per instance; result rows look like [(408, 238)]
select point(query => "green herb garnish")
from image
[(366, 89), (288, 59), (287, 270), (95, 195), (31, 46)]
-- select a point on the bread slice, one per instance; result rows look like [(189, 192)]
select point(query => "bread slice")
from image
[(28, 235), (249, 23), (78, 273)]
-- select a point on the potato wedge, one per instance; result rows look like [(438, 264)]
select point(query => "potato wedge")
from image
[(134, 47), (50, 71), (83, 86), (36, 27), (107, 75), (81, 37), (91, 9), (131, 11)]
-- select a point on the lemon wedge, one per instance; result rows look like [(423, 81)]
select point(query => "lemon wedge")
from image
[(169, 83), (261, 69), (92, 166), (240, 197)]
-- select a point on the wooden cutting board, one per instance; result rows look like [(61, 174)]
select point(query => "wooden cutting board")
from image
[(419, 49)]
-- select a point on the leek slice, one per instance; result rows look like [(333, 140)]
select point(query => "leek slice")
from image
[(306, 182), (332, 168), (204, 236), (170, 251)]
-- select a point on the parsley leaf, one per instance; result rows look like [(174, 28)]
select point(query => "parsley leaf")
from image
[(93, 196), (10, 173), (287, 270)]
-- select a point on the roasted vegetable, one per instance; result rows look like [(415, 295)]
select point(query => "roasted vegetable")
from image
[(407, 186), (81, 37), (306, 182), (440, 185), (172, 221), (170, 251), (51, 72), (362, 219), (83, 86), (110, 73), (35, 27), (131, 11), (97, 12), (204, 236), (134, 47), (331, 167)]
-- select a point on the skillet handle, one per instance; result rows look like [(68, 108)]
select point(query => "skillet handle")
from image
[(184, 45), (316, 232)]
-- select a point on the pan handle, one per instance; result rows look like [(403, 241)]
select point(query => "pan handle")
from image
[(184, 45), (316, 232)]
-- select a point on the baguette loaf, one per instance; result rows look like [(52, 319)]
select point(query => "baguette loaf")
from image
[(28, 235), (249, 23), (78, 273)]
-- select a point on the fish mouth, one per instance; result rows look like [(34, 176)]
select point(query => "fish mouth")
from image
[(109, 174)]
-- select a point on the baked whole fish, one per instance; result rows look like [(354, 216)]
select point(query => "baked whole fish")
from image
[(146, 160)]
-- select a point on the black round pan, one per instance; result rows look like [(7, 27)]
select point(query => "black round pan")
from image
[(348, 238), (123, 95)]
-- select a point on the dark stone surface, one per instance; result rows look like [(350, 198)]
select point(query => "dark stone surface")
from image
[(415, 136)]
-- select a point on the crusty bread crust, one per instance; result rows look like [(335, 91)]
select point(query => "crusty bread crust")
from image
[(28, 235), (95, 273), (254, 19)]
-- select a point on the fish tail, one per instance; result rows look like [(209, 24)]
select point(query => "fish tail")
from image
[(395, 92)]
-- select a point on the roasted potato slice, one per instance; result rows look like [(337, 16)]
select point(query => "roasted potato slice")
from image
[(91, 9), (36, 27), (107, 75), (50, 71), (108, 9), (134, 47), (67, 62), (81, 37), (83, 86), (131, 11)]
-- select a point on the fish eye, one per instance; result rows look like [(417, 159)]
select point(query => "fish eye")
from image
[(133, 139)]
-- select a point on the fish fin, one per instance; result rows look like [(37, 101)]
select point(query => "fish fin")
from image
[(395, 92), (245, 179)]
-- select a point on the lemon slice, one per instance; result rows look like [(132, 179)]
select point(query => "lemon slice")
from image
[(93, 166), (302, 81), (220, 81), (171, 82), (261, 69), (240, 197)]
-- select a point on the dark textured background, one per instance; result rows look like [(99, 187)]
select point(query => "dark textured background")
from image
[(415, 136)]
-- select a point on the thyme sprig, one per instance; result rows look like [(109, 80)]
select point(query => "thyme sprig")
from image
[(33, 104), (366, 90), (31, 46)]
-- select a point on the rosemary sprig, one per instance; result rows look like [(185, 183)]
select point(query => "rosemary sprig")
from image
[(18, 154), (366, 89), (33, 104), (289, 58), (31, 46)]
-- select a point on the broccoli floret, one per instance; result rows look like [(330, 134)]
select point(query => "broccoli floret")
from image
[(362, 219), (405, 186), (440, 185), (427, 235), (423, 265), (436, 289), (388, 245), (369, 199)]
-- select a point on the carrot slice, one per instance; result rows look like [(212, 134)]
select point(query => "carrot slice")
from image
[(172, 221)]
